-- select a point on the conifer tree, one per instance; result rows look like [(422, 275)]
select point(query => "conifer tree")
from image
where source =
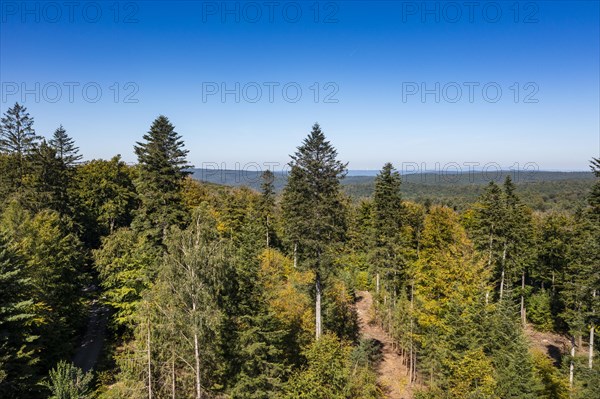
[(65, 147), (18, 138), (18, 354), (387, 224), (267, 204), (162, 168), (312, 210)]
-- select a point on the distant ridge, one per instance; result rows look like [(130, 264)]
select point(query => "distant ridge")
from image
[(251, 178), (541, 190)]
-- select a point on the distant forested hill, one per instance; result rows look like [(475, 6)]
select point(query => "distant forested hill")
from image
[(541, 190)]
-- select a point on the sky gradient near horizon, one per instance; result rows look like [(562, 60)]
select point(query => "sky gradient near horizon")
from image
[(406, 82)]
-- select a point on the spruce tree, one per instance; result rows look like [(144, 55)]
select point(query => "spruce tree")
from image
[(387, 223), (18, 353), (162, 168), (65, 147), (18, 138), (267, 204), (312, 209)]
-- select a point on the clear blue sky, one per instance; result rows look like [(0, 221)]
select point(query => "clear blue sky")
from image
[(375, 58)]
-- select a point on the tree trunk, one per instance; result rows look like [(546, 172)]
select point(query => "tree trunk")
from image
[(412, 301), (295, 255), (572, 365), (318, 329), (173, 376), (523, 315), (149, 359), (267, 231), (197, 357), (591, 355), (377, 283), (503, 272), (592, 328), (490, 251)]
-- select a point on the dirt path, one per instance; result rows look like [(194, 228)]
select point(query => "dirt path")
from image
[(89, 351), (393, 375)]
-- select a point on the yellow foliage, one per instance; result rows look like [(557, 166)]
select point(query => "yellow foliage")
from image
[(283, 288)]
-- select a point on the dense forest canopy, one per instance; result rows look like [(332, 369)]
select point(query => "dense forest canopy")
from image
[(139, 281)]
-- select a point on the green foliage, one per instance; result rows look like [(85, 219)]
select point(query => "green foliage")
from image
[(126, 266), (539, 311), (18, 138), (105, 197), (54, 260), (65, 147), (69, 382), (162, 168), (330, 375), (555, 385), (18, 352), (313, 214)]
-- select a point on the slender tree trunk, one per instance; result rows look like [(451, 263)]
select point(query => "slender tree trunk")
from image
[(572, 365), (377, 283), (295, 255), (196, 343), (267, 231), (318, 329), (592, 332), (503, 272), (412, 301), (173, 395), (149, 359), (591, 355), (197, 358), (523, 315)]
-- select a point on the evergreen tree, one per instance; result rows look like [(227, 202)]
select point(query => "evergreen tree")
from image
[(162, 168), (48, 181), (65, 147), (18, 353), (54, 260), (18, 138), (312, 210), (69, 382), (267, 204), (387, 223)]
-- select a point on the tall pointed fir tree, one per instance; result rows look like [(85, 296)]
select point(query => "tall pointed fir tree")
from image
[(65, 148), (267, 204), (162, 168), (18, 139), (387, 214), (313, 213)]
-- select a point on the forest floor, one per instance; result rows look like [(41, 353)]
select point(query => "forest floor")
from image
[(554, 345), (89, 351), (391, 371)]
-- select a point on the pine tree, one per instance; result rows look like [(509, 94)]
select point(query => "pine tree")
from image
[(162, 168), (312, 210), (18, 138), (65, 147)]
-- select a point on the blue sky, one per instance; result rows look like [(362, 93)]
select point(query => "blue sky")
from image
[(362, 68)]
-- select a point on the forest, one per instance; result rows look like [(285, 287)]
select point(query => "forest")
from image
[(139, 281)]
